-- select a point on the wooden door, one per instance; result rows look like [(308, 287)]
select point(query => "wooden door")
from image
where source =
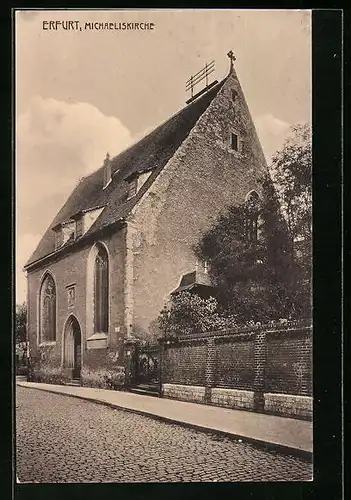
[(77, 352)]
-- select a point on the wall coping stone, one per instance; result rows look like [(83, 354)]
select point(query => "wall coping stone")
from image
[(221, 390), (184, 386), (292, 397)]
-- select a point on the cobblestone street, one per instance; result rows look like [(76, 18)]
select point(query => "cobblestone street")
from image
[(64, 439)]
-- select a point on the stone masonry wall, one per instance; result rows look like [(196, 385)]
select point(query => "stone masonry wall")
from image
[(233, 398), (184, 392), (289, 404), (47, 358), (202, 179)]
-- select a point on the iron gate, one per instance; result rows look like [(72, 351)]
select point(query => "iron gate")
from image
[(147, 364)]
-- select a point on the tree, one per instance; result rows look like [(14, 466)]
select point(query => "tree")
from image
[(258, 253), (21, 323), (291, 171), (252, 269), (188, 313)]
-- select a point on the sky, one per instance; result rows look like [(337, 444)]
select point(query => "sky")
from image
[(81, 93)]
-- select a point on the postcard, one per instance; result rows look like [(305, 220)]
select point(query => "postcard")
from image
[(163, 246)]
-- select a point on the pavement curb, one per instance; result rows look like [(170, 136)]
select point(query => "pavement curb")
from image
[(287, 450)]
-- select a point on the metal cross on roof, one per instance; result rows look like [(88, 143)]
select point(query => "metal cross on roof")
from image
[(232, 59)]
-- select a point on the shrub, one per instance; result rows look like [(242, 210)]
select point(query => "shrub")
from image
[(48, 375), (103, 378), (188, 313), (22, 370)]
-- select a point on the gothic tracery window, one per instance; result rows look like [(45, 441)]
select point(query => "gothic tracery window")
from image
[(252, 213), (101, 291), (48, 310)]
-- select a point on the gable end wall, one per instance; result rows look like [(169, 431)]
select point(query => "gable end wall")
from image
[(201, 180)]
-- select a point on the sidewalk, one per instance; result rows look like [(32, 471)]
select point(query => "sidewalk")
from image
[(283, 434)]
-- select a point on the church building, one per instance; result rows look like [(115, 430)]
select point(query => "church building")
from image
[(123, 241)]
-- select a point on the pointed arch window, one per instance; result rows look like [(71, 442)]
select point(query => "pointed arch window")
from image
[(253, 209), (48, 310), (101, 291)]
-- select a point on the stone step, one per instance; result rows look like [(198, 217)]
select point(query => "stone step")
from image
[(73, 382), (145, 391), (149, 387)]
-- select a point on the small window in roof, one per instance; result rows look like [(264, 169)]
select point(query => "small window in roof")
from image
[(69, 232), (58, 238), (79, 226), (132, 188)]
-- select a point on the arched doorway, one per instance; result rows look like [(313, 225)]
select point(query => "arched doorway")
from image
[(72, 349)]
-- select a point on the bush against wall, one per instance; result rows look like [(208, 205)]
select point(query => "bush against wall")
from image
[(188, 313), (103, 378), (48, 375)]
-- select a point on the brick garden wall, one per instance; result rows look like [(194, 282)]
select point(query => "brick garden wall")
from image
[(234, 363), (268, 369), (186, 364), (288, 366)]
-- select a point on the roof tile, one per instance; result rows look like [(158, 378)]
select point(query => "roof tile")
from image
[(150, 153)]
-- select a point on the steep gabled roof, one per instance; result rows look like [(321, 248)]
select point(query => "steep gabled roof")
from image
[(149, 154)]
